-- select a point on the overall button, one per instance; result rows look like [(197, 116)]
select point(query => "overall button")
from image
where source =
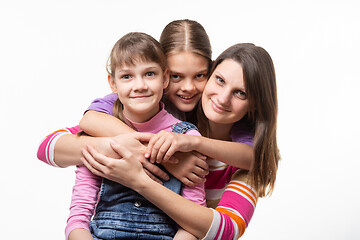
[(137, 204)]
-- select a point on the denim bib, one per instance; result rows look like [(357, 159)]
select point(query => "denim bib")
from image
[(122, 213)]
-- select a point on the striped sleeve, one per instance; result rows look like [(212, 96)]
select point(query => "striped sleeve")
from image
[(234, 212), (47, 146)]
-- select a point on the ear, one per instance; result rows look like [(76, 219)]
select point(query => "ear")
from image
[(166, 78), (112, 84)]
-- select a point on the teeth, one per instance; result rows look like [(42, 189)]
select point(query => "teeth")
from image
[(185, 97)]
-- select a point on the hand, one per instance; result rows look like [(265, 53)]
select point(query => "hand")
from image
[(126, 171), (135, 148), (191, 169), (163, 145), (131, 148)]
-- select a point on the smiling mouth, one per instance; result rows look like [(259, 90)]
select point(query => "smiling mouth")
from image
[(187, 97), (140, 97), (218, 108)]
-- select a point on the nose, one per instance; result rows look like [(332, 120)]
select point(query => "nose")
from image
[(188, 85), (140, 84), (224, 98)]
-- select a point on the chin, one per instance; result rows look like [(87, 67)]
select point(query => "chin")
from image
[(186, 108)]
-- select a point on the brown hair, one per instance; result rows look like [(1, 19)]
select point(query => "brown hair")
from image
[(260, 82), (186, 35), (131, 48)]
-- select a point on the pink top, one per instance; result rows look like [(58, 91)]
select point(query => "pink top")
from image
[(87, 185)]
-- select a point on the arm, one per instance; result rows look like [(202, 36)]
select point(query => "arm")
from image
[(229, 220), (84, 198), (192, 217), (62, 147), (92, 124), (190, 170), (235, 209), (181, 234), (164, 144), (80, 234)]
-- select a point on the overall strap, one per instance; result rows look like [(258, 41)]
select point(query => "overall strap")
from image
[(183, 127)]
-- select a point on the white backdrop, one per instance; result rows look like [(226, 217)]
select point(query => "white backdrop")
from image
[(52, 64)]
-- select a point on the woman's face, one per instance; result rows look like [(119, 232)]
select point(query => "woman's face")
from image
[(224, 98), (188, 74)]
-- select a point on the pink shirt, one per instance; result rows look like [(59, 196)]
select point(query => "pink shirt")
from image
[(87, 185)]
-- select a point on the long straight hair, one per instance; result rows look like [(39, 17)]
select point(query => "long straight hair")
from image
[(260, 82)]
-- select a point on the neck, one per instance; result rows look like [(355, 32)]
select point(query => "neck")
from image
[(141, 116), (220, 131)]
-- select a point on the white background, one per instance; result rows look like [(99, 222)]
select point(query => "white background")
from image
[(52, 64)]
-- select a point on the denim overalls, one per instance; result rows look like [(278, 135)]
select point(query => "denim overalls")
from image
[(122, 213)]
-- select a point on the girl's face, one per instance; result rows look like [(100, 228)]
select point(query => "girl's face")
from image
[(224, 99), (140, 89), (187, 79)]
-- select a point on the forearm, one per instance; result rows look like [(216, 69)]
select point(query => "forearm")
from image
[(67, 151), (80, 234), (181, 234), (192, 217), (100, 124), (235, 154), (83, 200)]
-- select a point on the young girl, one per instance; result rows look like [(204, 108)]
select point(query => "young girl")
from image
[(241, 91), (188, 51), (138, 75)]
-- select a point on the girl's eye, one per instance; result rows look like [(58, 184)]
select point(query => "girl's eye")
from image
[(150, 74), (175, 77), (125, 77), (200, 76), (240, 94)]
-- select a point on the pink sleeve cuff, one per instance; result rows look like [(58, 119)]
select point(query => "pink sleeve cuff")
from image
[(47, 146), (71, 226)]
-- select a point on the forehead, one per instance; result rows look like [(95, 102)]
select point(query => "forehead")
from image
[(187, 62), (232, 72), (137, 65)]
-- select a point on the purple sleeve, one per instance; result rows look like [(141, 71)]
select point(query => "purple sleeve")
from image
[(242, 133), (104, 104)]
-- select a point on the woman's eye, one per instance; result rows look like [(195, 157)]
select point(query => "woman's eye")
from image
[(219, 80), (240, 94)]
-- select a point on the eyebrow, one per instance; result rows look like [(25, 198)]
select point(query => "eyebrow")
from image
[(242, 88), (178, 72)]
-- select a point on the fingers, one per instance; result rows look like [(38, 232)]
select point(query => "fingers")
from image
[(155, 148), (143, 137), (199, 155), (173, 160), (195, 179), (152, 176), (155, 170), (118, 148), (90, 163)]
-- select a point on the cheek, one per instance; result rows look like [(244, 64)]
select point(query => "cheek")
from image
[(172, 88), (200, 86), (242, 108)]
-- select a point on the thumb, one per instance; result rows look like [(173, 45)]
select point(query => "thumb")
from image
[(144, 137), (116, 146)]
